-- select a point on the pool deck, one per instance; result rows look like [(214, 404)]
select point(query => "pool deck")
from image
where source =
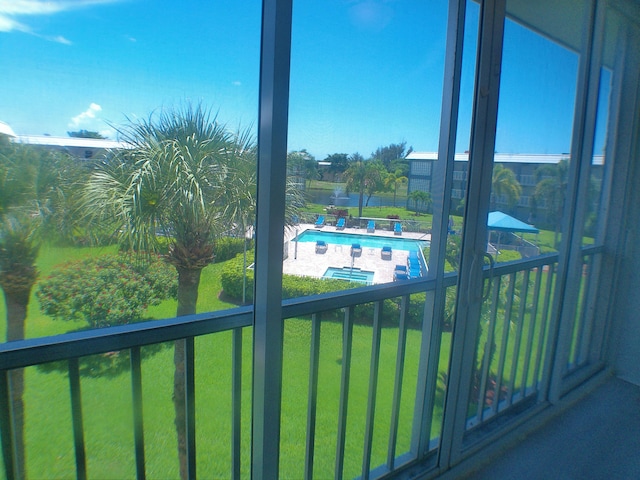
[(311, 264)]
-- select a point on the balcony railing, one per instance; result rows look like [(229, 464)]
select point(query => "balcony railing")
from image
[(388, 401)]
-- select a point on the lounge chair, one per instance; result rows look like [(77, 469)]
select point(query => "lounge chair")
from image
[(321, 246), (356, 250), (400, 276), (386, 253), (340, 224), (397, 228), (320, 221), (400, 269), (371, 226), (413, 263)]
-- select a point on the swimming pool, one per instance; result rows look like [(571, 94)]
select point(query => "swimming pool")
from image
[(365, 241), (351, 274)]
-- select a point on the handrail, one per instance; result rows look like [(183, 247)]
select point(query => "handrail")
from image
[(35, 351)]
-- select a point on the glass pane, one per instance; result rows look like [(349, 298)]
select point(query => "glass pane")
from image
[(85, 83), (527, 203), (599, 168), (461, 164), (366, 86), (537, 99)]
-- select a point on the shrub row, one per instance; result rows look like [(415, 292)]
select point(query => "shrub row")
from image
[(227, 248), (294, 286)]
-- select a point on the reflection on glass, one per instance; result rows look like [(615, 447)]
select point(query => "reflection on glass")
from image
[(463, 134), (599, 168), (527, 204), (537, 97)]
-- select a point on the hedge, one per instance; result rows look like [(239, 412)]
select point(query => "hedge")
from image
[(294, 286)]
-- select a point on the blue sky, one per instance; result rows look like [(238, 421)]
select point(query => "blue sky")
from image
[(365, 73)]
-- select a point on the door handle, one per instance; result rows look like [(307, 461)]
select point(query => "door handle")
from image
[(491, 265)]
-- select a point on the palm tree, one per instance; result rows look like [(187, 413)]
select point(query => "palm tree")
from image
[(355, 177), (174, 180), (421, 198), (30, 181), (550, 192), (239, 202), (393, 181), (504, 182)]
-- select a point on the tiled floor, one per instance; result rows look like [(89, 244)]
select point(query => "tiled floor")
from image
[(303, 259)]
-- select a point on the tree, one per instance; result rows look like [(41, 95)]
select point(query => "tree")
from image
[(86, 134), (339, 163), (375, 175), (172, 180), (188, 177), (550, 193), (303, 164), (504, 183), (421, 198), (393, 180), (390, 153), (29, 182), (364, 177)]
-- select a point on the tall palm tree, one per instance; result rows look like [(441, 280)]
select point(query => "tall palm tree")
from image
[(393, 180), (550, 192), (421, 198), (355, 177), (239, 202), (30, 191), (172, 180), (504, 182)]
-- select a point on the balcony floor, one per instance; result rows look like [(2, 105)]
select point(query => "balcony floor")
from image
[(597, 438)]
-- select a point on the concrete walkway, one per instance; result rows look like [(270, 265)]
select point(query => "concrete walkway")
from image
[(309, 263)]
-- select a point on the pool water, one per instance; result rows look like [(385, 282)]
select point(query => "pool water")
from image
[(365, 241), (351, 274)]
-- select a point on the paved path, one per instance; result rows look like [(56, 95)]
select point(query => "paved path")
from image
[(309, 263)]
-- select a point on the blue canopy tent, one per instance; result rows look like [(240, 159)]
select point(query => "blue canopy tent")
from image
[(501, 222)]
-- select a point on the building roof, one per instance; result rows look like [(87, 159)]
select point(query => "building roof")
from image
[(5, 129), (70, 142), (537, 158)]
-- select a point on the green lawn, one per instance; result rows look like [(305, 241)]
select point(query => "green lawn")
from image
[(107, 409), (106, 394)]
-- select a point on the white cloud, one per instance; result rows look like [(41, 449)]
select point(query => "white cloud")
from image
[(85, 117), (108, 133), (237, 83), (60, 39), (11, 9)]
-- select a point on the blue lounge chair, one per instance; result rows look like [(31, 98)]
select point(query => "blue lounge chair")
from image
[(386, 252), (320, 221), (371, 226), (356, 250), (397, 229), (321, 246), (400, 276), (400, 269), (340, 224), (413, 263)]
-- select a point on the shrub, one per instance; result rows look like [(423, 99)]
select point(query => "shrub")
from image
[(106, 290), (228, 247), (232, 278), (294, 286)]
